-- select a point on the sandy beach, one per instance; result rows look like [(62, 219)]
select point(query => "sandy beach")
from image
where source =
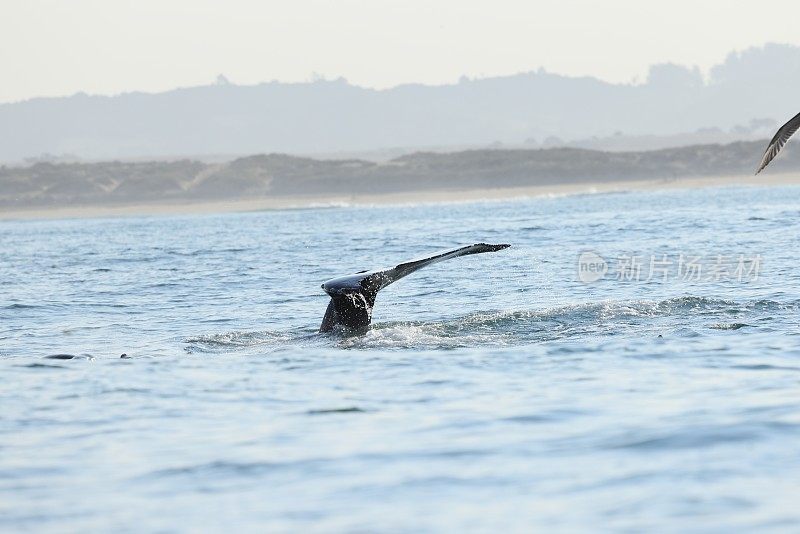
[(430, 196)]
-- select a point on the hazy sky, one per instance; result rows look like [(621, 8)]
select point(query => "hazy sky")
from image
[(56, 47)]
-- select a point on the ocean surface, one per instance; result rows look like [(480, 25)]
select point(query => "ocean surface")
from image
[(632, 363)]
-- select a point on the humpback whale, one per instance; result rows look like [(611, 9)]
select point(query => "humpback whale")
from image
[(776, 144), (353, 296)]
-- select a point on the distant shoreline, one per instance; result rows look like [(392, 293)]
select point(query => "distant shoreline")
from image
[(283, 181), (432, 196)]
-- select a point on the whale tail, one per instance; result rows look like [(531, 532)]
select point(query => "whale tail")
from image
[(353, 296)]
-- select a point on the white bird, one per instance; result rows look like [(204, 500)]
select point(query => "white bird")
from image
[(783, 134)]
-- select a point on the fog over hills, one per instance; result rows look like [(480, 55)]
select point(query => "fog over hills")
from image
[(745, 96)]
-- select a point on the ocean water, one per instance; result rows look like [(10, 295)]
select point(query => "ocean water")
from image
[(503, 391)]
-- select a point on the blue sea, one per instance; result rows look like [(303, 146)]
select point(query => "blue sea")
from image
[(631, 363)]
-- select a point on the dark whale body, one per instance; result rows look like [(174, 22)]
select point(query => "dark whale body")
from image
[(353, 296)]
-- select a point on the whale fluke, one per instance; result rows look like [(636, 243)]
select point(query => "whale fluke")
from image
[(353, 296), (776, 144)]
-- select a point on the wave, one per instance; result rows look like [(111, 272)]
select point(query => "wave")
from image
[(687, 316), (20, 306), (234, 340)]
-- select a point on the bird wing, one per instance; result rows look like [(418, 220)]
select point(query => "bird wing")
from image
[(776, 144)]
